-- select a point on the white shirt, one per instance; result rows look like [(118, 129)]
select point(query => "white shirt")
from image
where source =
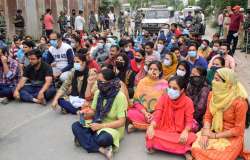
[(60, 55), (79, 23)]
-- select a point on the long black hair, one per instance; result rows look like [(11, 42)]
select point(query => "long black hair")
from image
[(180, 81), (187, 67), (159, 66)]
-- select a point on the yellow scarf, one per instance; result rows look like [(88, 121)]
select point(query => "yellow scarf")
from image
[(168, 71), (223, 94)]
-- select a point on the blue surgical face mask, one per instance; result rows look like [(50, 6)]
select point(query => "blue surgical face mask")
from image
[(77, 66), (53, 43), (192, 53), (173, 94)]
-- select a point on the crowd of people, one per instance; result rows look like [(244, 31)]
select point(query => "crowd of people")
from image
[(180, 89)]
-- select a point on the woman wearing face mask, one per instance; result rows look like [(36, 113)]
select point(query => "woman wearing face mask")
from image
[(198, 91), (124, 73), (109, 117), (218, 63), (169, 65), (170, 128), (137, 63), (70, 97), (204, 49), (44, 47), (222, 136), (146, 95), (183, 70), (160, 45)]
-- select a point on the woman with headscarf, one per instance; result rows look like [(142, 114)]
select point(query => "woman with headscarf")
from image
[(171, 127), (124, 73), (146, 95), (71, 96), (198, 91), (222, 136), (169, 65), (109, 115), (218, 62), (183, 70)]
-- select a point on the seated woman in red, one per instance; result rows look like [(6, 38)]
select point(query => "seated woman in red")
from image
[(170, 129)]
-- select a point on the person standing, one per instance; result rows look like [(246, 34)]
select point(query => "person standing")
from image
[(138, 18), (79, 22), (111, 20), (226, 24), (92, 22), (48, 22), (247, 32), (220, 22), (236, 20), (62, 21), (2, 24), (121, 23), (19, 23), (72, 18)]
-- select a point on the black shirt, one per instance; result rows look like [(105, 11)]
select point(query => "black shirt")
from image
[(21, 19), (37, 77)]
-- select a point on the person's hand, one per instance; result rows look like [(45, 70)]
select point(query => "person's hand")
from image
[(16, 94), (4, 59), (54, 104), (95, 126), (183, 137), (56, 75), (53, 64), (203, 142), (40, 96), (150, 132), (148, 117), (92, 78)]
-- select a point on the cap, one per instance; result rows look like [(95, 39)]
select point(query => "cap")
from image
[(237, 8)]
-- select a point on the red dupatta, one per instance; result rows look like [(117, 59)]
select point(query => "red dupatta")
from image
[(169, 114)]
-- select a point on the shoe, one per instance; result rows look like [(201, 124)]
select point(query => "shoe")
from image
[(63, 111), (77, 144), (4, 100)]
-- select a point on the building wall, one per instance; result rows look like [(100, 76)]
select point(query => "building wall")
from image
[(34, 9)]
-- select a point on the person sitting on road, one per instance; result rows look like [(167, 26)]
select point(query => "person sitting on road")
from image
[(113, 53), (71, 95), (183, 70), (60, 57), (109, 116), (194, 59), (100, 54), (146, 95), (224, 53), (204, 49), (171, 124), (9, 76), (36, 84), (218, 63), (169, 65), (222, 135)]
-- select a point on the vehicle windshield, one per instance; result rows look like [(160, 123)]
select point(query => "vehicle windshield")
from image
[(157, 14)]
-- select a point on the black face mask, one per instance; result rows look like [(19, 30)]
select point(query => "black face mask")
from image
[(197, 81), (103, 86), (138, 60), (119, 65)]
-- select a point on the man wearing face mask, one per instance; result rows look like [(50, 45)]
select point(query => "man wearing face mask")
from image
[(224, 53), (60, 56), (9, 74), (100, 54), (215, 50), (204, 49), (194, 59), (36, 83), (146, 38)]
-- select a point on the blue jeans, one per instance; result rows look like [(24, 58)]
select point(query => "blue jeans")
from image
[(90, 140), (28, 92), (67, 106), (6, 90)]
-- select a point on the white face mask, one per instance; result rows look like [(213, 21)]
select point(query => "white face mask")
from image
[(93, 41), (215, 49), (180, 73), (172, 41), (73, 44), (145, 68), (126, 49), (160, 47), (100, 45), (167, 62)]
